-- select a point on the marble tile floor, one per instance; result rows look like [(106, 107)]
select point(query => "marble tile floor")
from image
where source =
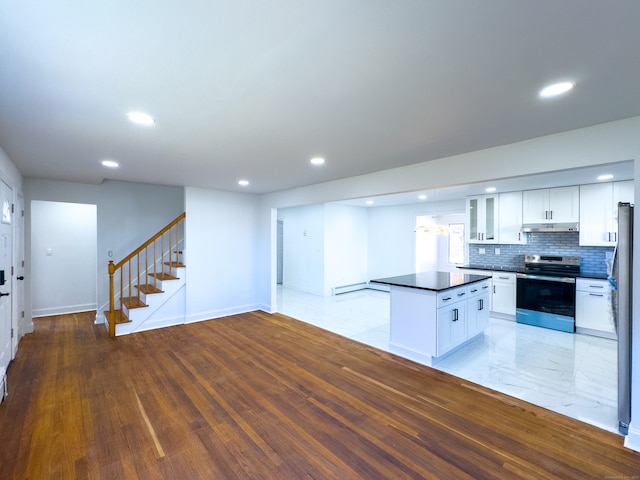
[(572, 374)]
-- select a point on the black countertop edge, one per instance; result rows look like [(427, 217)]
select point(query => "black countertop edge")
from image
[(433, 281), (499, 268)]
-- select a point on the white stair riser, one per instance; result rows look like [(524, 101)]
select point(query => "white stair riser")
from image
[(153, 301)]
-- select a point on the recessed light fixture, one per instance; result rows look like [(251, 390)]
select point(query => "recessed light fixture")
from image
[(606, 176), (317, 161), (369, 202), (556, 89), (490, 189), (243, 183), (110, 164), (422, 197), (141, 118)]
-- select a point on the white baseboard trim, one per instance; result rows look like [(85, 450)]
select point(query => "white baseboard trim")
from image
[(632, 440), (67, 309), (353, 287), (225, 312)]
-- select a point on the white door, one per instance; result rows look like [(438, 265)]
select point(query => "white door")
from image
[(6, 248), (18, 292)]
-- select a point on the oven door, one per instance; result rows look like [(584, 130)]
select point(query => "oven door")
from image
[(546, 301)]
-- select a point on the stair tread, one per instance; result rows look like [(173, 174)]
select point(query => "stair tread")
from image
[(148, 289), (175, 264), (120, 316), (132, 302), (163, 276)]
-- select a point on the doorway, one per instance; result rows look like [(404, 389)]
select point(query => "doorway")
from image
[(63, 257)]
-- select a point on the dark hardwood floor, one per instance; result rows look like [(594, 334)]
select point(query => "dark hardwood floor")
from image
[(267, 397)]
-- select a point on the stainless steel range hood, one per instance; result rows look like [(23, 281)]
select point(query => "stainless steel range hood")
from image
[(551, 227)]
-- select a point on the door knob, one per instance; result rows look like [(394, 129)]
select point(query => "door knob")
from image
[(4, 294), (20, 277)]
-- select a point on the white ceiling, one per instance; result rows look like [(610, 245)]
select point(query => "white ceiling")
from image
[(252, 89)]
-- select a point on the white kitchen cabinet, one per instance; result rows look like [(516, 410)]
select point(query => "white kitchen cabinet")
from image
[(551, 205), (594, 314), (503, 295), (482, 219), (510, 218), (599, 211), (451, 326), (478, 304)]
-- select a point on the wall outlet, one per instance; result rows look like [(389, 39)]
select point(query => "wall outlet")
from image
[(481, 251), (497, 251)]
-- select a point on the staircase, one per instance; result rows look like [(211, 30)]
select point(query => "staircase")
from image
[(147, 287)]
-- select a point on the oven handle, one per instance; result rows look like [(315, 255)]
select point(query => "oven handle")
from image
[(546, 278)]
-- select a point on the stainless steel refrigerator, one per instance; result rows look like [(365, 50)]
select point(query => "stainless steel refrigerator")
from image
[(621, 277)]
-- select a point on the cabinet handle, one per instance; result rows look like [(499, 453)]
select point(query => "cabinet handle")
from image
[(474, 291), (462, 294), (608, 236), (494, 289), (485, 287), (519, 239), (503, 278), (596, 286), (615, 236), (480, 304), (455, 314), (446, 299), (596, 295), (550, 214)]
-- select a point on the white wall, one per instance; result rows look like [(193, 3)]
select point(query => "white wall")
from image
[(63, 257), (346, 246), (391, 241), (303, 248), (220, 253)]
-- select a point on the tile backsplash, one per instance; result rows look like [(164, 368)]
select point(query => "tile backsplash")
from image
[(592, 259)]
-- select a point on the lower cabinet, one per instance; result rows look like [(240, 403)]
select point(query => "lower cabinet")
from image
[(503, 295), (478, 312), (594, 313), (451, 326)]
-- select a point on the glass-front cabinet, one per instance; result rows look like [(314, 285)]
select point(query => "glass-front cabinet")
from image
[(482, 219)]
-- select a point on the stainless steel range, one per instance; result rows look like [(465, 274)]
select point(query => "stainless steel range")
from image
[(546, 291)]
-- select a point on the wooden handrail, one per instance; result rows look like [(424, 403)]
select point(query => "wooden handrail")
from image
[(141, 270), (150, 241)]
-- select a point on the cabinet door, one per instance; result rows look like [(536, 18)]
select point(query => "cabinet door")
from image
[(490, 220), (596, 214), (535, 206), (622, 192), (564, 204), (593, 311), (452, 326), (504, 295), (473, 219), (477, 314), (510, 218)]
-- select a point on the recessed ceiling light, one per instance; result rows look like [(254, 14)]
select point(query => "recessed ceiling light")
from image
[(422, 197), (606, 176), (317, 161), (556, 89), (369, 202), (490, 189), (141, 118), (110, 164), (243, 183)]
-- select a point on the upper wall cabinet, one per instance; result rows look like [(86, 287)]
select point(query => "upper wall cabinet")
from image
[(599, 211), (510, 218), (551, 205), (482, 219)]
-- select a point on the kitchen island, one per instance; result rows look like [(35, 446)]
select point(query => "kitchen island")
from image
[(435, 313)]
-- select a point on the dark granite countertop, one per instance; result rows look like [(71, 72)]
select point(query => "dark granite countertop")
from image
[(434, 281), (500, 268)]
